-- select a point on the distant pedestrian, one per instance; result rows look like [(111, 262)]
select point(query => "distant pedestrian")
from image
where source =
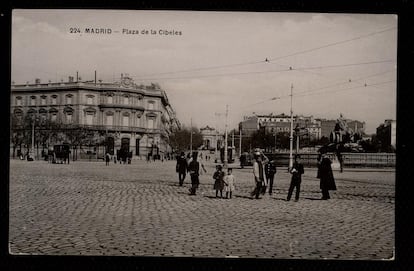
[(218, 177), (327, 180), (107, 158), (229, 183), (270, 171), (296, 171), (194, 170), (181, 168)]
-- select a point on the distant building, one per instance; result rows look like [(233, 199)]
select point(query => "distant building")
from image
[(130, 117), (315, 128), (387, 134), (249, 125), (211, 138)]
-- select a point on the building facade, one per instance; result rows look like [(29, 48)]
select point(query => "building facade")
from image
[(133, 118), (387, 134)]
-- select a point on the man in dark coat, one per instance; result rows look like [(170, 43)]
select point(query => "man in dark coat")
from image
[(326, 176), (181, 168), (270, 171), (194, 169), (296, 171)]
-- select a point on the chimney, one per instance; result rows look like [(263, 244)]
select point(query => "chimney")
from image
[(37, 81)]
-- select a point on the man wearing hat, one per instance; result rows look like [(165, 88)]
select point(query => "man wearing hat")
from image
[(296, 171), (181, 168), (327, 180), (258, 172), (194, 170)]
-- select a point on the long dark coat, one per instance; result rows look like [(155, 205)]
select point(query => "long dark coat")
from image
[(325, 175), (218, 176), (181, 166)]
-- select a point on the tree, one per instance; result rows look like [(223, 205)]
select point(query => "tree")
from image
[(180, 139)]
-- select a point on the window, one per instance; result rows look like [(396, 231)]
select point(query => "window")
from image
[(150, 123), (33, 100), (54, 99), (43, 100), (53, 117), (89, 118), (126, 100), (69, 118), (69, 99), (151, 105), (125, 121), (19, 100), (110, 100), (89, 100), (109, 120)]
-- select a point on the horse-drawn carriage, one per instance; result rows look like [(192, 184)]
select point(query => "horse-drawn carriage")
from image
[(59, 154)]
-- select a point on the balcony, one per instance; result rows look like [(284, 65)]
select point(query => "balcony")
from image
[(122, 106), (119, 128)]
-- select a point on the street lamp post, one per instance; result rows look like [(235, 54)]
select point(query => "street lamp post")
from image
[(225, 139), (240, 143), (291, 129), (32, 149), (191, 136)]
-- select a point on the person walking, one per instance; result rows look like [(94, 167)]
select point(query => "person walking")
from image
[(229, 183), (270, 171), (327, 180), (218, 177), (296, 171), (194, 170), (181, 168)]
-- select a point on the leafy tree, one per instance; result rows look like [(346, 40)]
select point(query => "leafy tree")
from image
[(180, 139)]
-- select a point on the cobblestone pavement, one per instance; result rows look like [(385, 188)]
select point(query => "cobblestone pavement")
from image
[(87, 208)]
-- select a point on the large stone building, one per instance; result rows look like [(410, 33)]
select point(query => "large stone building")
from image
[(133, 118)]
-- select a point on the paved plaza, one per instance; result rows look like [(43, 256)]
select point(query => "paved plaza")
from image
[(87, 208)]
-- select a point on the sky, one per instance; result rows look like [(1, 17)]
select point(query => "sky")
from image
[(248, 62)]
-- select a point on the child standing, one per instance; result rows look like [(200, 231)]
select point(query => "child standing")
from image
[(219, 180), (296, 171), (229, 183)]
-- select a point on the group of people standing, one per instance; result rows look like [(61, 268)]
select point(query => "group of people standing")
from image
[(264, 172), (191, 165)]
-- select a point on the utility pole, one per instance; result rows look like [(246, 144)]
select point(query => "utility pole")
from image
[(240, 143), (32, 149), (225, 139), (191, 136), (291, 129), (297, 143)]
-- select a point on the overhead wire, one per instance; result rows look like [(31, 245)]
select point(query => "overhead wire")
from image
[(267, 60)]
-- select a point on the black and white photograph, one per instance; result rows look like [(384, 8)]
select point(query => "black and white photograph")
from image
[(203, 134)]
